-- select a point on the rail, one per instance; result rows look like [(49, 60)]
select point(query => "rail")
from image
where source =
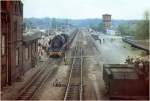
[(35, 83), (74, 90)]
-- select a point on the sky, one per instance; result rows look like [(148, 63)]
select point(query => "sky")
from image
[(82, 9)]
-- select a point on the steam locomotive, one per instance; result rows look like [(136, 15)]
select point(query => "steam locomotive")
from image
[(58, 45)]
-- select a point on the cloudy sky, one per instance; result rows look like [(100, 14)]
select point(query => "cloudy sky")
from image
[(80, 9)]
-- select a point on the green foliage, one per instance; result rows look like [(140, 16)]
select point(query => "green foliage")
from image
[(122, 29), (126, 29), (98, 27), (101, 26), (27, 25), (54, 23), (139, 29), (142, 28)]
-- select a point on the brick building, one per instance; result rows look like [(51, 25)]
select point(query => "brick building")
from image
[(11, 41), (106, 22)]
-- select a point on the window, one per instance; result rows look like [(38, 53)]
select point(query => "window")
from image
[(15, 6), (15, 26), (26, 53), (4, 21), (3, 5), (17, 56), (15, 30), (3, 45)]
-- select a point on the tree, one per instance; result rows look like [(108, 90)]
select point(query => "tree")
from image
[(97, 27), (101, 26), (54, 23), (142, 28), (123, 29)]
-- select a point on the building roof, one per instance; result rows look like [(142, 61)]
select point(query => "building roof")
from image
[(106, 14), (31, 35)]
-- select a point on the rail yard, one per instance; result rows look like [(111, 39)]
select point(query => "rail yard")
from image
[(64, 50), (84, 71)]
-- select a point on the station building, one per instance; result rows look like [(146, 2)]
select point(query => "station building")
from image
[(11, 41), (18, 49)]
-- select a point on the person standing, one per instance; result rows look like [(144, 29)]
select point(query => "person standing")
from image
[(141, 70)]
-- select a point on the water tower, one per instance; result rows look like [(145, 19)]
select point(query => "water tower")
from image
[(106, 22)]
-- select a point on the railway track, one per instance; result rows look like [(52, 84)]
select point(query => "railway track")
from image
[(74, 89), (37, 81)]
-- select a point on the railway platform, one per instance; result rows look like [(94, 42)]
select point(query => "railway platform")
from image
[(137, 44)]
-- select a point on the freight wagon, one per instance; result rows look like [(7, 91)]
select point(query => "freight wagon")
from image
[(123, 83)]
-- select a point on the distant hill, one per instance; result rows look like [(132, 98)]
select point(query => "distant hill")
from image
[(45, 23), (42, 23)]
